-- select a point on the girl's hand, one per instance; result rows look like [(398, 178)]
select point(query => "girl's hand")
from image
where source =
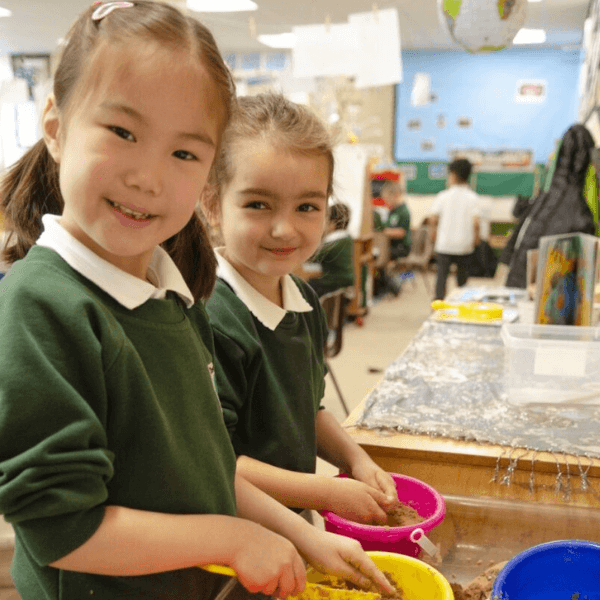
[(268, 563), (343, 557), (357, 501), (370, 473)]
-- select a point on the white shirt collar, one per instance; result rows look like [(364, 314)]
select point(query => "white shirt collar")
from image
[(335, 235), (126, 289), (267, 312)]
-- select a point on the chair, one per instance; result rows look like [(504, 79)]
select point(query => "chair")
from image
[(421, 253), (334, 306), (380, 250)]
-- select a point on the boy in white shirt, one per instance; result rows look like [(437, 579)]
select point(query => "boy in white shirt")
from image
[(455, 220)]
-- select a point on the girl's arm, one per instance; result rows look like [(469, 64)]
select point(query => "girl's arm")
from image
[(346, 497), (136, 542), (326, 552), (336, 447)]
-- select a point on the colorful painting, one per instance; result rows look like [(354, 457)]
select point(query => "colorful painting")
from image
[(565, 280)]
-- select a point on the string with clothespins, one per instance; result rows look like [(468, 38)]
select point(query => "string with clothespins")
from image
[(567, 489), (532, 473)]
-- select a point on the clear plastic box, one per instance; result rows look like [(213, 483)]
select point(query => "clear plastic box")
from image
[(552, 364)]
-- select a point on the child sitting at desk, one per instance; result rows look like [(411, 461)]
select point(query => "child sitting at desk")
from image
[(397, 224), (270, 202), (336, 253)]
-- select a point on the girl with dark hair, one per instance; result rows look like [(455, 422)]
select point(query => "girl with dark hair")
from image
[(116, 470)]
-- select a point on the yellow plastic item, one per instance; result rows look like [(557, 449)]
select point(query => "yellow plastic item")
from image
[(468, 311), (416, 579), (313, 591), (220, 569)]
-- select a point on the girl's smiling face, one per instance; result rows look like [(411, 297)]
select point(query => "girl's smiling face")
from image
[(272, 211), (134, 152)]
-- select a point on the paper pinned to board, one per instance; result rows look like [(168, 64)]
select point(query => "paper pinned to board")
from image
[(367, 47), (378, 39)]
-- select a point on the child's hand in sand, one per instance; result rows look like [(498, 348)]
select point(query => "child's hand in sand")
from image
[(344, 557), (368, 472)]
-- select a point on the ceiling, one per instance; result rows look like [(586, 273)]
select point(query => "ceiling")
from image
[(36, 25)]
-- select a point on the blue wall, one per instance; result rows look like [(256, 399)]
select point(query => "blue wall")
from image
[(483, 87)]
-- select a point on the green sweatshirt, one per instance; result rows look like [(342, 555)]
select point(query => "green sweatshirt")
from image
[(101, 405), (270, 383), (400, 217), (336, 258)]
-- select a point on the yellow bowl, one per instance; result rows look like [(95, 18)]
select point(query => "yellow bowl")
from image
[(417, 580)]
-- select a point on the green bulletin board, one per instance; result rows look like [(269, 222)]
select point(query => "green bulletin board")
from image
[(430, 178)]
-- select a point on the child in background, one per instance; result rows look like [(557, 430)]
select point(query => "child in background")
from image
[(397, 224), (455, 222), (336, 254), (270, 202), (117, 471)]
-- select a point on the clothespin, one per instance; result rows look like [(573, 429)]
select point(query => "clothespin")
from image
[(375, 10)]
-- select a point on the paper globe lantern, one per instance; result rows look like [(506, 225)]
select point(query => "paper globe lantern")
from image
[(482, 25)]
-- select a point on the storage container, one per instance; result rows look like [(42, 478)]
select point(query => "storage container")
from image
[(552, 364), (417, 580), (552, 571), (428, 503)]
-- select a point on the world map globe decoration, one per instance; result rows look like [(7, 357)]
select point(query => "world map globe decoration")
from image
[(481, 26)]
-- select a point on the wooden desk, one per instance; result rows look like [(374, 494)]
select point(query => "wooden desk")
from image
[(363, 256), (473, 469), (499, 500), (423, 391)]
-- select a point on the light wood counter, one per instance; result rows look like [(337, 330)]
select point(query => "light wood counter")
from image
[(477, 469)]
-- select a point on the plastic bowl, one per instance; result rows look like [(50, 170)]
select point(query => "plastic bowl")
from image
[(560, 569), (428, 503), (418, 580)]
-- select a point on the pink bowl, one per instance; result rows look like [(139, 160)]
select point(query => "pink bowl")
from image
[(428, 503)]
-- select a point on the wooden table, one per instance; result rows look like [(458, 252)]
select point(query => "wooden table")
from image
[(477, 469), (454, 466), (499, 501)]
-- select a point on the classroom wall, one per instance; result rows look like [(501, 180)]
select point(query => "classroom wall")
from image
[(483, 88), (499, 207)]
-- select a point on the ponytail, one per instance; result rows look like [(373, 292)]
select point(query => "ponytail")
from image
[(192, 252), (28, 190)]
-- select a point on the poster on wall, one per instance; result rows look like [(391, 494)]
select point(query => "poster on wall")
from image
[(437, 171), (530, 91), (495, 160)]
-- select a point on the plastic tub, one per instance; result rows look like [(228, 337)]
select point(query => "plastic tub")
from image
[(552, 571), (552, 364), (428, 503), (417, 580)]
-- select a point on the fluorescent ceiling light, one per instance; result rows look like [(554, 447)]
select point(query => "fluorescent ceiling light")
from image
[(4, 12), (278, 40), (221, 5), (530, 36), (534, 0)]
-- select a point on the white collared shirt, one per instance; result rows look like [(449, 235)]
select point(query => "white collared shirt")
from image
[(267, 312), (335, 235), (128, 290)]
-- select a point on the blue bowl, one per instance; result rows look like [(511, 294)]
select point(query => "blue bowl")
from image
[(565, 569)]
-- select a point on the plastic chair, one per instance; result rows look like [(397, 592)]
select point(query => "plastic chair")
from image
[(380, 250), (420, 255), (334, 306)]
